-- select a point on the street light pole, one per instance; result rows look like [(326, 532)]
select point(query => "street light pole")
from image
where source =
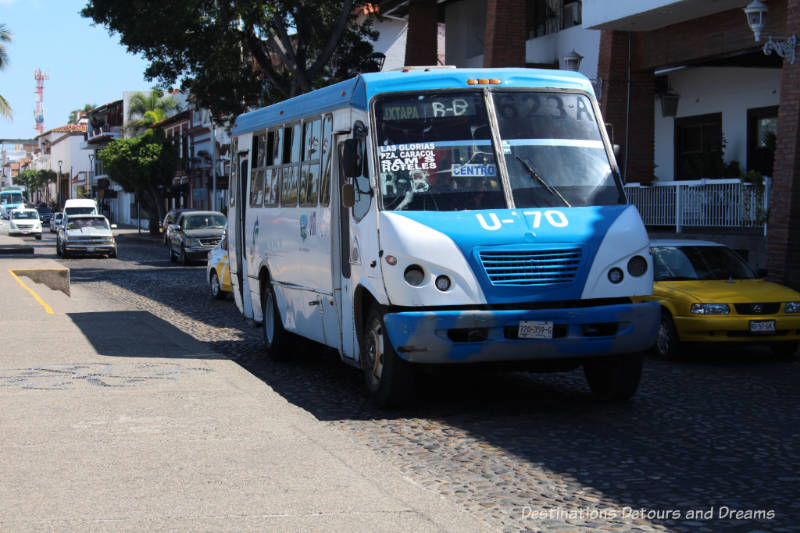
[(58, 185)]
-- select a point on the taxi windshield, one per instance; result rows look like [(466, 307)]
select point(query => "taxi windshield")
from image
[(682, 263)]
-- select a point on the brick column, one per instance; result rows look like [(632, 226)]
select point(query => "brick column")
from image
[(636, 159), (504, 43), (783, 239), (422, 36)]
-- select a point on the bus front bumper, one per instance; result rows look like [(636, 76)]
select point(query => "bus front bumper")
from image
[(472, 336)]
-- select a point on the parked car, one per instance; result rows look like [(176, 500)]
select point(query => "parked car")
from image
[(45, 214), (709, 294), (25, 221), (56, 220), (86, 234), (170, 218), (218, 272), (194, 234)]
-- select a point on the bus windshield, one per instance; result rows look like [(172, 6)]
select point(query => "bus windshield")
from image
[(435, 151), (11, 197)]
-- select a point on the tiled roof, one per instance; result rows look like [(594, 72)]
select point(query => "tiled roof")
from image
[(70, 128)]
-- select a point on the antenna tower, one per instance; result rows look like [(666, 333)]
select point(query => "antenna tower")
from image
[(38, 111)]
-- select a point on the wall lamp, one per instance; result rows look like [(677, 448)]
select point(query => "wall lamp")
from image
[(756, 13)]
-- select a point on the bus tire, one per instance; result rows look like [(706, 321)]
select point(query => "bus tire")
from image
[(388, 378), (614, 378), (277, 340)]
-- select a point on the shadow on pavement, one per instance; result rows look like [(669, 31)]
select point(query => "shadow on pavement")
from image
[(138, 334)]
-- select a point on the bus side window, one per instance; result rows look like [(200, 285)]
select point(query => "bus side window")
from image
[(287, 145), (289, 187), (234, 176), (273, 179), (325, 164), (310, 184), (257, 174), (297, 142)]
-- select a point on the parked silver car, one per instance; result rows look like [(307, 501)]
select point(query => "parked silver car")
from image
[(56, 221)]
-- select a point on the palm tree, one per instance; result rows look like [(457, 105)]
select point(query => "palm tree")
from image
[(150, 108), (5, 37)]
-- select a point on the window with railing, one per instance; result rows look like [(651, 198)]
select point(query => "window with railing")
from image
[(551, 16)]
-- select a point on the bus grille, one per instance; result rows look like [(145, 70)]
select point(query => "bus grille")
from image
[(531, 267)]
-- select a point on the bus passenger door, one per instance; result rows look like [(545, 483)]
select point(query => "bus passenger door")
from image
[(236, 225), (338, 321)]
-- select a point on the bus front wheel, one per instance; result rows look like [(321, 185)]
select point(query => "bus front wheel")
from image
[(276, 339), (388, 378), (614, 378)]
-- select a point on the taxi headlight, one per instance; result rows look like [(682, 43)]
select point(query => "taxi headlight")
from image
[(710, 309), (791, 307), (192, 242)]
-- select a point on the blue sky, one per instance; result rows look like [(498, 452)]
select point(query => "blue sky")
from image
[(86, 65)]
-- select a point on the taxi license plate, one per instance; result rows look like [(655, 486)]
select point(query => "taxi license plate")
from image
[(531, 329), (762, 326)]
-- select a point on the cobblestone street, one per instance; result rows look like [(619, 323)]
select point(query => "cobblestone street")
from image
[(708, 444)]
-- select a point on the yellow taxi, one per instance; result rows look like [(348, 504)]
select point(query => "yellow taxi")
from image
[(709, 294), (218, 272)]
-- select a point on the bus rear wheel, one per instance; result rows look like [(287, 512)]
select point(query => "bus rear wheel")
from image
[(614, 378), (388, 378), (276, 338)]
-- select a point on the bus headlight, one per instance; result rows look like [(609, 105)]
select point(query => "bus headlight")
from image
[(615, 275), (443, 283), (637, 266), (414, 275)]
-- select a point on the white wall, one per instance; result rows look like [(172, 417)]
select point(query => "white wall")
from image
[(600, 11), (552, 47), (466, 29), (392, 42), (727, 90)]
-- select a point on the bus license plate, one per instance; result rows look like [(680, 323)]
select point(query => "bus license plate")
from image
[(531, 329), (90, 250), (762, 326)]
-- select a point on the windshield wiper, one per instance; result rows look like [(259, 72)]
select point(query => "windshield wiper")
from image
[(552, 190)]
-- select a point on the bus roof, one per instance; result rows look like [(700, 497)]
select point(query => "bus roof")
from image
[(358, 91)]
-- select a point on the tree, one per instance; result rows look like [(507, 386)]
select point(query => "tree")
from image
[(144, 165), (35, 181), (75, 113), (234, 54), (5, 37), (150, 108)]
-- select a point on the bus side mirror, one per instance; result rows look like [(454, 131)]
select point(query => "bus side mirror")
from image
[(351, 161), (617, 149), (348, 195)]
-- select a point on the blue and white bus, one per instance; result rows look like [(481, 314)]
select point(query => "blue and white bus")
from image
[(11, 198), (437, 215)]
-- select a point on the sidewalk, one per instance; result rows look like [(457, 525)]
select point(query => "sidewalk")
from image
[(114, 420)]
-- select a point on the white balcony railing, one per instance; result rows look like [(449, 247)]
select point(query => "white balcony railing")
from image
[(718, 203), (112, 132)]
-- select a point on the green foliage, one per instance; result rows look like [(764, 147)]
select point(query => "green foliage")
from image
[(35, 180), (150, 107), (144, 165), (235, 54), (73, 115)]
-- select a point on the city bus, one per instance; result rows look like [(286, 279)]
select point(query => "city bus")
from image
[(12, 197), (440, 216)]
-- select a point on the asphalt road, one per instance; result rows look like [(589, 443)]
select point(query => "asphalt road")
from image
[(708, 444)]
